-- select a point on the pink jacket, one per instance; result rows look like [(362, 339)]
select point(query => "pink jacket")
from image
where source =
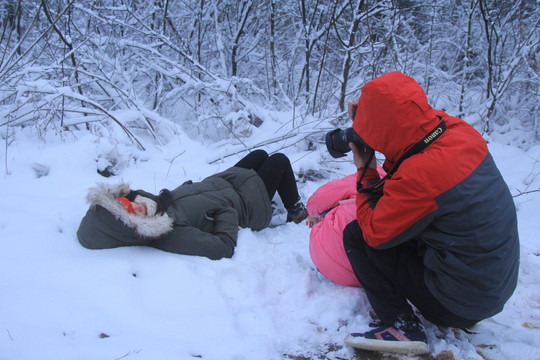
[(326, 239)]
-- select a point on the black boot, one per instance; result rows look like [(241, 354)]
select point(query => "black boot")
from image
[(297, 212)]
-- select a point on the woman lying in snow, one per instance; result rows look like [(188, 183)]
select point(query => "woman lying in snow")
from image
[(195, 218), (331, 208)]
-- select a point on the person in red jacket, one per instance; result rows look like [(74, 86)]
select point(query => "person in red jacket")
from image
[(439, 231)]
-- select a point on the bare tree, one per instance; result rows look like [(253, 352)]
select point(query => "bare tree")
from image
[(350, 45), (234, 21), (316, 21), (204, 63), (468, 45), (272, 45), (508, 47)]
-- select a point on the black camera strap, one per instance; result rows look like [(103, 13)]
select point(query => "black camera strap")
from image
[(415, 149)]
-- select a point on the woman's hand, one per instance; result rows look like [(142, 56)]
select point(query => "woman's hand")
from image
[(362, 157), (312, 220)]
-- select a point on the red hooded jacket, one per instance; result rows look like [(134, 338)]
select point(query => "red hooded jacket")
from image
[(450, 197)]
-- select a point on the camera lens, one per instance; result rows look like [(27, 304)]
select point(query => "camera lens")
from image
[(337, 142)]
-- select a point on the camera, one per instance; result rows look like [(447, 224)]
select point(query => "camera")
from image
[(337, 142)]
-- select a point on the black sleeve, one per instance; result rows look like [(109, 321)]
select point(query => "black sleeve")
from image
[(374, 196)]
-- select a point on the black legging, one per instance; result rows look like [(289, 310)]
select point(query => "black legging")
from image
[(276, 172)]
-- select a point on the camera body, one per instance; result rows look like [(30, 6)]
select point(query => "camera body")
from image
[(337, 142)]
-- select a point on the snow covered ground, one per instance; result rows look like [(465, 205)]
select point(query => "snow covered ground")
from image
[(60, 301)]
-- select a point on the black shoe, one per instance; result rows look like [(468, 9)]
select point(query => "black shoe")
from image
[(376, 323), (297, 213)]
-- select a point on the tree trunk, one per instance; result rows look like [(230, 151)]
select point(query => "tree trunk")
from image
[(351, 43)]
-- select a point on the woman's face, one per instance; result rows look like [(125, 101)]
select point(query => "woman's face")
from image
[(139, 208)]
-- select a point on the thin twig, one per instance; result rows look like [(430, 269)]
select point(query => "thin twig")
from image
[(129, 353), (526, 192), (264, 143), (171, 162)]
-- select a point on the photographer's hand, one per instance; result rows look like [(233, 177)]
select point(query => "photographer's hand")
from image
[(351, 108), (361, 158)]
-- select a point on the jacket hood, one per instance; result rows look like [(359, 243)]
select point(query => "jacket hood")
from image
[(393, 114), (105, 195)]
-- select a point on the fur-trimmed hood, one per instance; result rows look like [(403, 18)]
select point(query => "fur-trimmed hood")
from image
[(108, 225), (105, 195)]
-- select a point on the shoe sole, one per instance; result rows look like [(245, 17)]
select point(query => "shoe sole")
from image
[(397, 347)]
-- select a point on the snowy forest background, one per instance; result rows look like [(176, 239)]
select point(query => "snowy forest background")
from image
[(217, 68), (159, 92)]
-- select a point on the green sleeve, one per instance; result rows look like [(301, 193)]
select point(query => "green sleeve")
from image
[(190, 240)]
